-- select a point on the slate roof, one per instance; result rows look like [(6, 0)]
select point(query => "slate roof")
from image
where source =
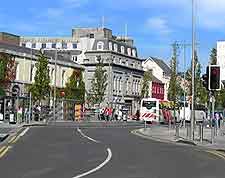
[(162, 65), (23, 51)]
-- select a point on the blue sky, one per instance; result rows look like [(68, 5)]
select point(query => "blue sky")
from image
[(154, 24)]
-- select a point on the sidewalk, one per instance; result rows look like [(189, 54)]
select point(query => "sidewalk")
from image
[(164, 134), (7, 129)]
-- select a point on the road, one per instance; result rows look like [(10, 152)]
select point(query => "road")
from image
[(63, 151)]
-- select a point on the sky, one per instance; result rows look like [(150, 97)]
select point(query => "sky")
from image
[(153, 24)]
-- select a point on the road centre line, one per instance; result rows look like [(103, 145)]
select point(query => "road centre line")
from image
[(98, 167), (89, 138)]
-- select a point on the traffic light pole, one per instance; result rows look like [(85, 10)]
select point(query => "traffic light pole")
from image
[(212, 117)]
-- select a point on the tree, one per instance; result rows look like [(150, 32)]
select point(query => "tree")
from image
[(75, 87), (213, 57), (7, 71), (172, 92), (98, 84), (147, 78), (40, 88), (201, 95)]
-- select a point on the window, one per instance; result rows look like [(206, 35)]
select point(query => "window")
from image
[(32, 73), (100, 45), (92, 35), (121, 84), (134, 52), (74, 58), (63, 78), (43, 45), (48, 45), (33, 45), (74, 45), (17, 71), (122, 49), (52, 76), (110, 46), (53, 45), (64, 45), (115, 47), (114, 83), (129, 51)]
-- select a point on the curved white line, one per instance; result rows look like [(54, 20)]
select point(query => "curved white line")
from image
[(98, 167), (89, 138)]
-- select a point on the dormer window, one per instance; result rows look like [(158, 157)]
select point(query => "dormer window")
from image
[(122, 49), (110, 46), (100, 45), (129, 51), (134, 52), (115, 47)]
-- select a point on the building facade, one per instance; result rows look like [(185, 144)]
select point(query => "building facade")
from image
[(161, 77), (221, 58), (25, 60), (119, 56)]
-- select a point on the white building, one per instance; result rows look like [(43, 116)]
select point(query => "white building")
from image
[(160, 70), (221, 58)]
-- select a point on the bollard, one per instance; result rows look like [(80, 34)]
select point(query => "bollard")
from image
[(177, 131), (201, 133), (188, 131)]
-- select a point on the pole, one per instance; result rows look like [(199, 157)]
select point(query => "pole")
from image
[(54, 97), (193, 71), (30, 97), (212, 119), (184, 84)]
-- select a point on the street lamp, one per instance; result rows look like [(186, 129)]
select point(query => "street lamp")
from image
[(193, 71)]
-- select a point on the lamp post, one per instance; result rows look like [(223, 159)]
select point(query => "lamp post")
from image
[(193, 71), (54, 94)]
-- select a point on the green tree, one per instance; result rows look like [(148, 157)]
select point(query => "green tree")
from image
[(147, 78), (98, 84), (172, 91), (213, 57), (75, 87), (40, 88), (201, 95)]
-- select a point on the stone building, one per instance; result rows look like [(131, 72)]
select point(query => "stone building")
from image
[(120, 58)]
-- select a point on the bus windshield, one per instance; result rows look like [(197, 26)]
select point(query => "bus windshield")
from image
[(149, 104)]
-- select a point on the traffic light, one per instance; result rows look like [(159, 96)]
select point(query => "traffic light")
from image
[(205, 79), (214, 77)]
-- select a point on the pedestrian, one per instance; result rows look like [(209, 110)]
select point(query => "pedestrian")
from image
[(120, 115)]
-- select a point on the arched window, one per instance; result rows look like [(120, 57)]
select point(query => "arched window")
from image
[(100, 45), (122, 49), (110, 46), (129, 51), (134, 52), (115, 47)]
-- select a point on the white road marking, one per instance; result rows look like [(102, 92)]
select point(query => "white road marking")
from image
[(98, 167), (89, 138), (24, 132)]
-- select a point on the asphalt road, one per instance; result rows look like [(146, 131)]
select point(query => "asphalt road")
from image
[(63, 152)]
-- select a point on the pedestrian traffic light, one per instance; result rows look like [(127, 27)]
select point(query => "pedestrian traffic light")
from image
[(214, 77)]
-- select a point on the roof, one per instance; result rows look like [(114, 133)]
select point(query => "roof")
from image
[(161, 64), (27, 52)]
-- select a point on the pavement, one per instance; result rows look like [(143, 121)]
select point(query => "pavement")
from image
[(164, 134), (66, 152)]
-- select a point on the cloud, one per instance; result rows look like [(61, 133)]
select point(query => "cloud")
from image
[(158, 25)]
